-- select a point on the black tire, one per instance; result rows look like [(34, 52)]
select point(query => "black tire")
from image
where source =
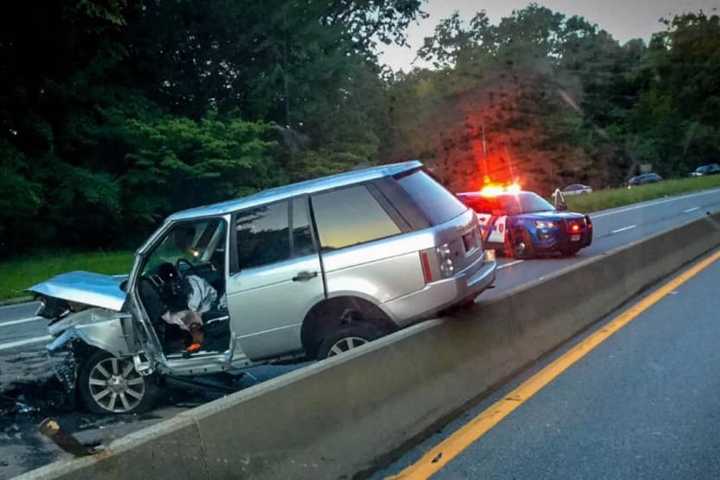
[(93, 395), (569, 251), (354, 335), (521, 246)]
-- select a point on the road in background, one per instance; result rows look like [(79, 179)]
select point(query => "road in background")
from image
[(612, 229), (642, 404), (23, 336)]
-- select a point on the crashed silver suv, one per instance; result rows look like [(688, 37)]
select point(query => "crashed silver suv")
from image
[(308, 270)]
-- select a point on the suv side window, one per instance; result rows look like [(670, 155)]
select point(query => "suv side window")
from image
[(350, 216), (262, 235)]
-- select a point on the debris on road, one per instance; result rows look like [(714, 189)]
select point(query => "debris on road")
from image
[(66, 441)]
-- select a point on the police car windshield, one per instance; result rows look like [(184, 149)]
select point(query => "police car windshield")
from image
[(524, 202)]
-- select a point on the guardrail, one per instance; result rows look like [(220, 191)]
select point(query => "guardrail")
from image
[(342, 417)]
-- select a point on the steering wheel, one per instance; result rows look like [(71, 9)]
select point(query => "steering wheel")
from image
[(186, 267)]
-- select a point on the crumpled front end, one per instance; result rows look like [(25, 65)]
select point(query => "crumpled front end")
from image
[(62, 356), (76, 334)]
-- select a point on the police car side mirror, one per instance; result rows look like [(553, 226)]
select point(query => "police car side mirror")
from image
[(561, 207)]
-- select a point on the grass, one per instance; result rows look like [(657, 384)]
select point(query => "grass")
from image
[(618, 197), (18, 274)]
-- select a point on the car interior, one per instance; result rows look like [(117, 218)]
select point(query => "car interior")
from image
[(194, 248)]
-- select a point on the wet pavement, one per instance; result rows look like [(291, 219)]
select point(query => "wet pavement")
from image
[(29, 393)]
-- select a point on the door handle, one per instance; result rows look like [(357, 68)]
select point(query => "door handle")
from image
[(304, 276)]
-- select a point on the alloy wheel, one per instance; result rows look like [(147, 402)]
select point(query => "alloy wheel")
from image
[(115, 385), (345, 344)]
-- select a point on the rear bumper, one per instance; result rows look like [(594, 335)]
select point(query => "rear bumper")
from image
[(437, 296)]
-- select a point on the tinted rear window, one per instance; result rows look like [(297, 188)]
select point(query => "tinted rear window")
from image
[(350, 216), (438, 205)]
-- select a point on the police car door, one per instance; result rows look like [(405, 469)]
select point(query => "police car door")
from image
[(497, 229)]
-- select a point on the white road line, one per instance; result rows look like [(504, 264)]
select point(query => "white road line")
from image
[(623, 229), (691, 209), (506, 265), (20, 343), (16, 305), (22, 320), (652, 203)]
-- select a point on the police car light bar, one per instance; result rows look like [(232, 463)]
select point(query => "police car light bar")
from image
[(492, 190)]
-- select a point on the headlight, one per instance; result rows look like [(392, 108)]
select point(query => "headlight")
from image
[(545, 224)]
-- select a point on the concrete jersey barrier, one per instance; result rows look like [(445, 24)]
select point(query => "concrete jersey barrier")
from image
[(342, 417)]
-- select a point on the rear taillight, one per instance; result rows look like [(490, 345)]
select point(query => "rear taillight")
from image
[(425, 263), (445, 254), (575, 226)]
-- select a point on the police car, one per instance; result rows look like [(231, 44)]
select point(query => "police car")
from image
[(523, 224)]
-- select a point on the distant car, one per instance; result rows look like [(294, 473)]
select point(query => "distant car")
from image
[(644, 179), (576, 189), (523, 224), (709, 169)]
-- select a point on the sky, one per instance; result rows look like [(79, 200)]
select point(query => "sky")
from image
[(624, 19)]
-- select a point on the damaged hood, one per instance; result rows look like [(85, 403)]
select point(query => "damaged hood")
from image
[(88, 288)]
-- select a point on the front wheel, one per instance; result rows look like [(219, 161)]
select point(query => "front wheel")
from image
[(108, 384), (520, 245), (346, 338)]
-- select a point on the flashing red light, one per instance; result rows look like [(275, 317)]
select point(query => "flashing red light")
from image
[(574, 227), (493, 189), (513, 188)]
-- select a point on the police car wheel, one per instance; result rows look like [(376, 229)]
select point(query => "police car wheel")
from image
[(521, 245), (569, 252)]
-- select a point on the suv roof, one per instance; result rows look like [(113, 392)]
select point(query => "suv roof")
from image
[(294, 189)]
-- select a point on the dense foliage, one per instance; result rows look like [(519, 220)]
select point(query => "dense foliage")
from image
[(557, 100), (114, 113)]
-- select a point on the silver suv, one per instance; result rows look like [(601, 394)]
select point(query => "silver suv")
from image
[(308, 270)]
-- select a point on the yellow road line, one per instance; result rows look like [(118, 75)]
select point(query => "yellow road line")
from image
[(445, 451)]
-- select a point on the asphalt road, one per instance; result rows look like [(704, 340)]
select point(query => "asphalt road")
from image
[(23, 336), (642, 405)]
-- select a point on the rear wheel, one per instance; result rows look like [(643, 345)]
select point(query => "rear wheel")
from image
[(569, 251), (108, 384), (346, 338)]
